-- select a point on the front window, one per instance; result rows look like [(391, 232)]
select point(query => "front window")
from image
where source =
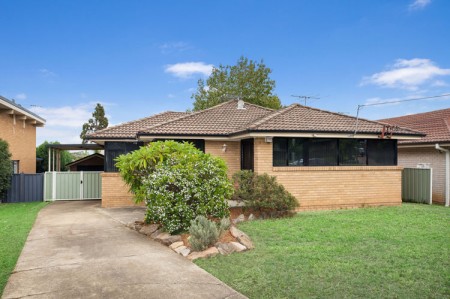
[(333, 152)]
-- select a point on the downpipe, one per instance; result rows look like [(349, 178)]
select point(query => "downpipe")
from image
[(447, 172)]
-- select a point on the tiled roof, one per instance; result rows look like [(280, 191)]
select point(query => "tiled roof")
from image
[(129, 130), (221, 120), (298, 118), (436, 124)]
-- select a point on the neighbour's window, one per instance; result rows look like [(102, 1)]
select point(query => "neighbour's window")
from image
[(15, 166), (332, 152)]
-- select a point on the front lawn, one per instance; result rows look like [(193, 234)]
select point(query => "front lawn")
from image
[(16, 220), (387, 252)]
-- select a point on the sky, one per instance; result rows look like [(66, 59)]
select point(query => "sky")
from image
[(138, 58)]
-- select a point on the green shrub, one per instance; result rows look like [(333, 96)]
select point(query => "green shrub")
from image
[(224, 225), (178, 183), (204, 233), (263, 193), (5, 168)]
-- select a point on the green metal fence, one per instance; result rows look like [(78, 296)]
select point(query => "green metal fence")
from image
[(72, 185), (417, 185)]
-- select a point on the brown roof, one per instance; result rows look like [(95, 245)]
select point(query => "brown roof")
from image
[(129, 130), (299, 118), (221, 120), (435, 124)]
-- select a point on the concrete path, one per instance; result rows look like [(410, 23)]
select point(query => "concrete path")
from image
[(79, 250)]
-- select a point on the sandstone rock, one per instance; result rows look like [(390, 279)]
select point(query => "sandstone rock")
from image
[(176, 245), (225, 248), (240, 218), (238, 246), (212, 251), (149, 229), (156, 233), (167, 239), (241, 237), (185, 252), (251, 217)]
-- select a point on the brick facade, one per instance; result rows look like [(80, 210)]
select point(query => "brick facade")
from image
[(232, 155), (21, 137), (410, 157), (115, 192)]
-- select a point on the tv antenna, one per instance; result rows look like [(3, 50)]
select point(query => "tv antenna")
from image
[(305, 98)]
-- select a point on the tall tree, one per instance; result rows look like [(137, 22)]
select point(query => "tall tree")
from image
[(42, 152), (5, 167), (97, 122), (249, 80)]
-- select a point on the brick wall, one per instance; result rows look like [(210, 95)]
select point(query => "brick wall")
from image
[(410, 157), (21, 140), (232, 155), (115, 192), (329, 187)]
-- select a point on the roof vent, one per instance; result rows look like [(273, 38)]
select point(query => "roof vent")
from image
[(241, 104)]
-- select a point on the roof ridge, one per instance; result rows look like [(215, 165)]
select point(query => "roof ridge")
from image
[(417, 114), (271, 115)]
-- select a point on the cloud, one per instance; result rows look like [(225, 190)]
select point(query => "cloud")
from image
[(47, 73), (419, 4), (187, 69), (439, 83), (407, 74), (168, 48), (21, 96)]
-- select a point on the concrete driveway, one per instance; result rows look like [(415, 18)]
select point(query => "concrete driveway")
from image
[(79, 250)]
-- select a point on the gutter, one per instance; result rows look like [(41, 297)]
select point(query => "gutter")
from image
[(447, 172)]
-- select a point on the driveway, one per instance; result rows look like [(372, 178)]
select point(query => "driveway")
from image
[(78, 250)]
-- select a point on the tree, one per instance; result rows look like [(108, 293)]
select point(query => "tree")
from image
[(97, 122), (42, 152), (5, 167), (248, 80)]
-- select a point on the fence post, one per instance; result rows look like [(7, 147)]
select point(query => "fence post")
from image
[(431, 186), (53, 185)]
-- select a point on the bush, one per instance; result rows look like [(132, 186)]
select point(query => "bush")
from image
[(204, 233), (5, 168), (263, 193), (178, 183)]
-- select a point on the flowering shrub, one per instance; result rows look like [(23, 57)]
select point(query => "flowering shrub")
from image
[(178, 183)]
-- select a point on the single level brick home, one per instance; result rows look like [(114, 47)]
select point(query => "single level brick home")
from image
[(315, 154), (431, 151), (18, 128)]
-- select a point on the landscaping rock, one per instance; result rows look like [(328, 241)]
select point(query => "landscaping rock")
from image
[(251, 217), (240, 218), (212, 251), (156, 233), (185, 252), (225, 248), (238, 246), (167, 239), (148, 230), (241, 237), (175, 245)]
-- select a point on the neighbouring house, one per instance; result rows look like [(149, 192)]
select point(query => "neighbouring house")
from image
[(18, 128), (94, 162), (315, 154), (431, 151)]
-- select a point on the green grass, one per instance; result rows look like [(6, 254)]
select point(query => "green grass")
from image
[(388, 252), (16, 220)]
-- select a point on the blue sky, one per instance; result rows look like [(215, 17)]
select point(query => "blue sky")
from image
[(138, 58)]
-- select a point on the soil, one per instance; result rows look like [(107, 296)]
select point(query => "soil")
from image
[(224, 238)]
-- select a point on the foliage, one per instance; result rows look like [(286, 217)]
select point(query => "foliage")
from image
[(204, 233), (178, 183), (248, 80), (5, 167), (224, 225), (16, 220), (97, 122), (42, 152), (383, 252), (263, 193)]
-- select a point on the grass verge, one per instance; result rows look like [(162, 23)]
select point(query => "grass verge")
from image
[(16, 220), (395, 252)]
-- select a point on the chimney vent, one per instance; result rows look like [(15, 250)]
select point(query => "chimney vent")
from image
[(240, 104)]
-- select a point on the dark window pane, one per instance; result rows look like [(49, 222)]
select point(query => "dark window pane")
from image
[(280, 151), (382, 152), (352, 152), (115, 149), (296, 151), (322, 152)]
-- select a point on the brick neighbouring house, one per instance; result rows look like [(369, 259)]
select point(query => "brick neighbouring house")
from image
[(423, 152), (313, 153), (18, 128)]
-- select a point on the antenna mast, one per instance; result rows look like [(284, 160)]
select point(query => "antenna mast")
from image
[(305, 98)]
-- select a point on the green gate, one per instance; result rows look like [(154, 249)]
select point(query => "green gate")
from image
[(417, 185), (78, 185)]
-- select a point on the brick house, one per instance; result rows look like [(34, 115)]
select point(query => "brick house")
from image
[(429, 151), (314, 153), (18, 128)]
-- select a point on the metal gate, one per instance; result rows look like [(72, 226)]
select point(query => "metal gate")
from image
[(25, 188), (417, 185), (77, 185)]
